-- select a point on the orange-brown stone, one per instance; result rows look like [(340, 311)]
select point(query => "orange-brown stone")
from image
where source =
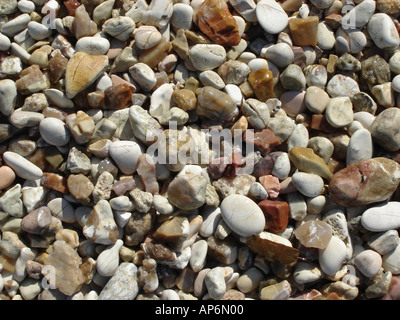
[(55, 182), (276, 215), (118, 97), (216, 21), (304, 30), (264, 139), (262, 82)]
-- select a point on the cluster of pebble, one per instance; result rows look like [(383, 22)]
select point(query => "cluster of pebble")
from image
[(88, 87)]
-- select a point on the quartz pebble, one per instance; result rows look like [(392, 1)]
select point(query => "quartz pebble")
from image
[(236, 210)]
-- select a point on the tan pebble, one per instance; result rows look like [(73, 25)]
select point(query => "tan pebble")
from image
[(7, 177)]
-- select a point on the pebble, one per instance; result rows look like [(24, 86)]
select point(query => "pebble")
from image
[(384, 242), (122, 285), (16, 25), (382, 129), (38, 31), (126, 155), (342, 86), (339, 112), (238, 210), (22, 167), (381, 217), (333, 256), (316, 99), (368, 262), (308, 184), (281, 54), (390, 261), (307, 273), (8, 96), (207, 56), (215, 283), (360, 147), (187, 191), (7, 177), (354, 186), (93, 45), (271, 16), (382, 30)]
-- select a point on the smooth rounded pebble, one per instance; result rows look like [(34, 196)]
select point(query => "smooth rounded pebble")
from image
[(308, 184), (332, 257), (360, 147), (272, 18), (22, 167), (126, 155), (207, 56), (242, 215), (369, 262), (54, 132), (382, 217)]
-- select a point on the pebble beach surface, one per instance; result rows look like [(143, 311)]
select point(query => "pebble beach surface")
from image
[(199, 150)]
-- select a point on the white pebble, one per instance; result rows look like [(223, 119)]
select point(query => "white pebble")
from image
[(54, 131), (332, 257), (382, 217), (22, 167), (207, 56), (368, 262), (126, 155), (360, 147), (272, 18), (308, 184), (242, 215)]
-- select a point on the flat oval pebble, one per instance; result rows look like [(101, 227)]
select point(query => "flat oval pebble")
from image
[(22, 167), (308, 184), (7, 177), (242, 215), (333, 256), (382, 217), (54, 131), (272, 18), (207, 56)]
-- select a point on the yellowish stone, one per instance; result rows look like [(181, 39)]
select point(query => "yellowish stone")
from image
[(82, 70), (306, 160)]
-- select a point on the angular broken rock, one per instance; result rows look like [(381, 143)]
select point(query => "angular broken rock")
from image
[(83, 70), (67, 276), (100, 226)]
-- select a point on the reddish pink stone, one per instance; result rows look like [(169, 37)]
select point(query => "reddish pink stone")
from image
[(123, 185), (146, 169), (271, 184), (393, 292), (217, 167)]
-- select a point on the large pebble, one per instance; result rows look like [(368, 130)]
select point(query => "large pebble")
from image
[(365, 182), (383, 31), (207, 56), (242, 215), (359, 16), (93, 45), (382, 217), (308, 184), (368, 262), (123, 285), (333, 256), (187, 191), (360, 147), (215, 283), (54, 132), (281, 54), (391, 260), (339, 112), (39, 31), (126, 155), (62, 209), (342, 86), (8, 96), (384, 129), (271, 16), (22, 167)]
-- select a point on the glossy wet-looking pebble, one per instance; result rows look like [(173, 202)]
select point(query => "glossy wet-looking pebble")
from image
[(111, 179)]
